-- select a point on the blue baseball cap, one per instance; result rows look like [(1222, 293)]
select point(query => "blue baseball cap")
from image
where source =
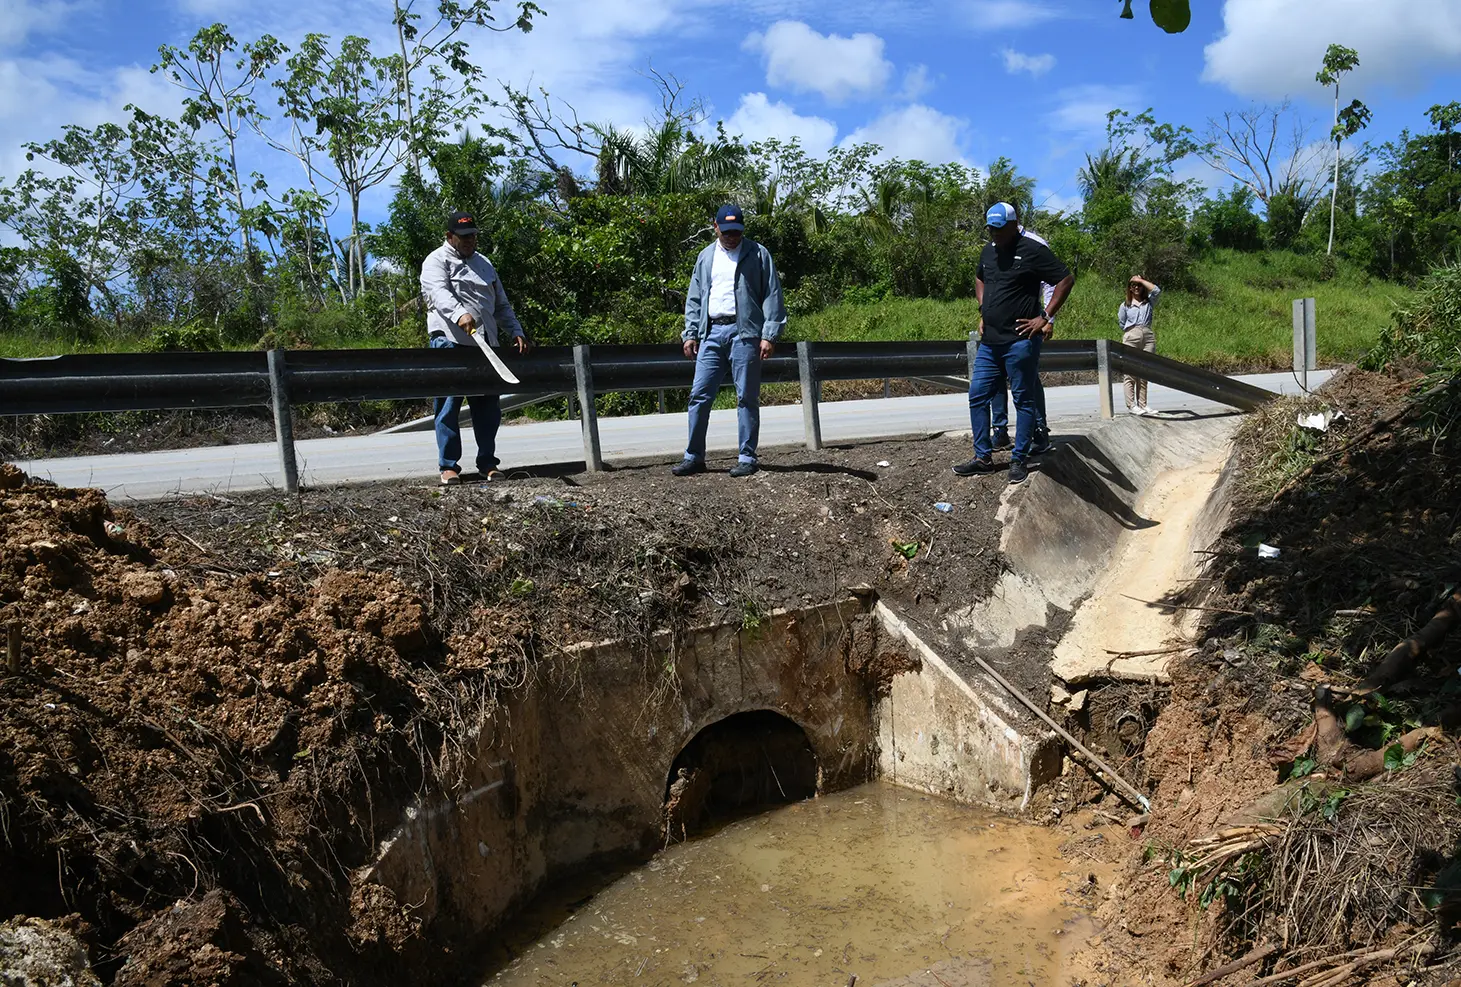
[(730, 218), (999, 214)]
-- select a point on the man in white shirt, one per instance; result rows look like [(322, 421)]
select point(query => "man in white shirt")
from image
[(733, 316), (464, 296)]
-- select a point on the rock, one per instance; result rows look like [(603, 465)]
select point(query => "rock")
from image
[(146, 589), (37, 953)]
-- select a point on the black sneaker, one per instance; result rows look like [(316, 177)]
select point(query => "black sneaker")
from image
[(1001, 440), (743, 469), (1018, 472), (688, 467), (974, 467), (1041, 445)]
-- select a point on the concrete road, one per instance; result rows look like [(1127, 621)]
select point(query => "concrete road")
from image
[(352, 459)]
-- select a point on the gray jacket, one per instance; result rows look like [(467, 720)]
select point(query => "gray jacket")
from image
[(454, 287), (760, 311)]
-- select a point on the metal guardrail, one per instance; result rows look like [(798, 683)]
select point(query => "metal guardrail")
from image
[(176, 381)]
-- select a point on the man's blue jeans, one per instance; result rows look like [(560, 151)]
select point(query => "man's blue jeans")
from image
[(999, 408), (721, 351), (486, 418), (1018, 364)]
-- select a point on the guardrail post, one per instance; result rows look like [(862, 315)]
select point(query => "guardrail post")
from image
[(811, 414), (1103, 377), (283, 420), (661, 401), (1306, 356), (583, 372), (973, 352)]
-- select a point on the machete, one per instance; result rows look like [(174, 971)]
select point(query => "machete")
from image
[(492, 357)]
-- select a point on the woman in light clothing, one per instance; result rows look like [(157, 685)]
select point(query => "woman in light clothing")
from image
[(1135, 317)]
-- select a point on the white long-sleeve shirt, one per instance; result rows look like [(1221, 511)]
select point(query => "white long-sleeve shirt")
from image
[(454, 287)]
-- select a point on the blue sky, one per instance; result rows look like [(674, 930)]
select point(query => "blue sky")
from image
[(966, 80)]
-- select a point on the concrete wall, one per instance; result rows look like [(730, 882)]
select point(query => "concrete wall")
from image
[(573, 767), (937, 733)]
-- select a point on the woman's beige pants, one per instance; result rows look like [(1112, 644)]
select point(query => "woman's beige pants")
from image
[(1142, 338)]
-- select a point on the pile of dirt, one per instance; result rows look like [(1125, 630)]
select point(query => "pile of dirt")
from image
[(205, 754), (1325, 851)]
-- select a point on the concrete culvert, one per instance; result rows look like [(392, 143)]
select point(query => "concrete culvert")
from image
[(736, 766)]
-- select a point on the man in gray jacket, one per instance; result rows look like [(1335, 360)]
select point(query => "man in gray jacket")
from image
[(464, 296), (733, 316)]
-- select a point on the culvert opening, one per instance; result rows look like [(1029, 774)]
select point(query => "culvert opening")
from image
[(735, 767)]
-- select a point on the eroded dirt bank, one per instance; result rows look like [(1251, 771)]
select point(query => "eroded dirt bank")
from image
[(223, 706), (1305, 823)]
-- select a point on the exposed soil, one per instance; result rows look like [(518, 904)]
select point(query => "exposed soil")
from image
[(632, 549), (224, 705)]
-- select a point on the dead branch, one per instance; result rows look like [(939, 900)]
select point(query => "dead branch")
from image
[(1403, 656), (1256, 956)]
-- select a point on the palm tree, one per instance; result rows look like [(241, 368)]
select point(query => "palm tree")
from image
[(669, 159), (1111, 173)]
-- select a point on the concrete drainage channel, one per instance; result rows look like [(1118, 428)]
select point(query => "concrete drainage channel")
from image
[(599, 760)]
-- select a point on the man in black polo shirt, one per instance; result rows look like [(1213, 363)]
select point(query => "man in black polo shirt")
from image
[(1011, 270)]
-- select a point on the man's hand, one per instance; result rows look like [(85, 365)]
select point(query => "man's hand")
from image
[(523, 345), (691, 347), (467, 322), (767, 348), (981, 328), (1029, 327)]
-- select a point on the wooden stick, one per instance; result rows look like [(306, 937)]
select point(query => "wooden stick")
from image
[(1257, 956), (1355, 958), (12, 646)]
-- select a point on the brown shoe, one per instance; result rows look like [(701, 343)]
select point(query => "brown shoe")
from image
[(450, 478), (493, 476)]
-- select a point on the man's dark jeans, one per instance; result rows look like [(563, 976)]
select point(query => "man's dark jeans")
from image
[(486, 419), (1016, 363), (999, 412)]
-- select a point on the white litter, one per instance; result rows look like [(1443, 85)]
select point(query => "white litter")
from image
[(884, 463), (1267, 552), (1321, 420)]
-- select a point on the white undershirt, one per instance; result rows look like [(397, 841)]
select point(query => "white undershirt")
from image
[(723, 282)]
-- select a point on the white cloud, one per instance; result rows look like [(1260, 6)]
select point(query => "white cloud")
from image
[(915, 84), (1036, 65), (19, 19), (1005, 15), (915, 132), (1272, 48), (1082, 109), (757, 118), (800, 59)]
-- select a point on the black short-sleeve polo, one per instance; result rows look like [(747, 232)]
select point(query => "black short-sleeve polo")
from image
[(1012, 280)]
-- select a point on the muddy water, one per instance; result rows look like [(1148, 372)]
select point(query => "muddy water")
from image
[(877, 882)]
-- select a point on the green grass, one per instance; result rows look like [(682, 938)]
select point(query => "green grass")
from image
[(1241, 317)]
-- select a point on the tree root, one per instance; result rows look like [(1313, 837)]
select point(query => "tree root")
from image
[(1398, 663), (1367, 764)]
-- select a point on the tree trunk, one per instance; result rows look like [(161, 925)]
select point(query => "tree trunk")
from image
[(1334, 193), (406, 90)]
